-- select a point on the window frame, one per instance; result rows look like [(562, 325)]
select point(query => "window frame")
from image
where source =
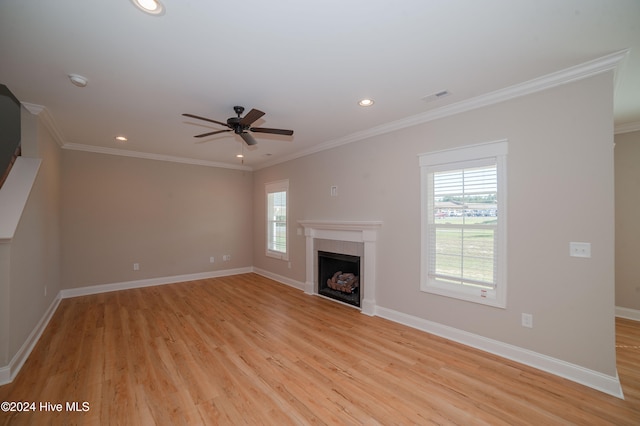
[(457, 159), (272, 188)]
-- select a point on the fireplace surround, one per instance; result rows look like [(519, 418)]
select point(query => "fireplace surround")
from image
[(347, 237)]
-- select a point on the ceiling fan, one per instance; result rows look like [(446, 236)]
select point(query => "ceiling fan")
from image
[(241, 125)]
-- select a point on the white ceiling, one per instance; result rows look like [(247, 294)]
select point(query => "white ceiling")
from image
[(306, 64)]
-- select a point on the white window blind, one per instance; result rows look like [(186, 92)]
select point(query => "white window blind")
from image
[(463, 226)]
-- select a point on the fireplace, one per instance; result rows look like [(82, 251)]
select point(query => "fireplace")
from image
[(344, 237), (339, 277)]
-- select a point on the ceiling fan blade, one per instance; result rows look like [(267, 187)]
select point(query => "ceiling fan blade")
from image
[(211, 133), (206, 119), (275, 131), (248, 138), (251, 116)]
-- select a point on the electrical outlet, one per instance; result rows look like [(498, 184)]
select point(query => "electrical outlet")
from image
[(212, 259), (527, 320), (226, 257), (580, 249), (334, 191), (136, 266)]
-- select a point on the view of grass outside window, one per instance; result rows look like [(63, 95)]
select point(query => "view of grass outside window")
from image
[(464, 226), (463, 223), (277, 219)]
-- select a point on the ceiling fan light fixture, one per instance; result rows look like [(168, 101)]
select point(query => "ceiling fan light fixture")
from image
[(152, 7), (366, 102)]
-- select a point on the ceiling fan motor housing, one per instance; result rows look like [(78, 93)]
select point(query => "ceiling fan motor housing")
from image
[(234, 123)]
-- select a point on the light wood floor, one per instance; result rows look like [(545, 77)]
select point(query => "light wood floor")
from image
[(247, 350)]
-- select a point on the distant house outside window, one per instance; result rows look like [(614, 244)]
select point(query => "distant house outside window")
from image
[(463, 223), (277, 198)]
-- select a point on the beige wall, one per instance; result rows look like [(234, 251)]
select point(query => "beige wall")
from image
[(560, 189), (627, 178), (33, 255), (168, 217)]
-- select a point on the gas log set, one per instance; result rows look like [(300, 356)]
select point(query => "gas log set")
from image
[(345, 283), (339, 277)]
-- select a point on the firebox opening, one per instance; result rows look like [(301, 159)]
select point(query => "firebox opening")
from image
[(339, 277)]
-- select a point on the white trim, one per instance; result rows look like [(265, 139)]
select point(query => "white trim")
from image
[(344, 225), (359, 232), (281, 279), (627, 128), (628, 313), (105, 288), (451, 159), (49, 123), (47, 120), (151, 156), (593, 379), (590, 378), (9, 372), (567, 75), (478, 151), (271, 188), (15, 193), (578, 72)]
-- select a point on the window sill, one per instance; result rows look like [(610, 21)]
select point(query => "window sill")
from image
[(489, 298), (277, 255)]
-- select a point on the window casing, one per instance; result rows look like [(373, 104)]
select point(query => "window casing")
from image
[(463, 195), (277, 230)]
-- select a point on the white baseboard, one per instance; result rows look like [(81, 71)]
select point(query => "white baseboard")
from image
[(602, 382), (105, 288), (593, 379), (9, 372), (281, 279), (628, 313)]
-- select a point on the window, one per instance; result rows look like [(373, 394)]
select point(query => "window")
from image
[(463, 223), (277, 219)]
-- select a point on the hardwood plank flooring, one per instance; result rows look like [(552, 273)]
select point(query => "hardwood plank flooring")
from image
[(247, 350)]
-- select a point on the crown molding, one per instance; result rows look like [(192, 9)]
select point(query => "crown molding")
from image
[(151, 156), (627, 128), (611, 62), (47, 120), (50, 124), (568, 75)]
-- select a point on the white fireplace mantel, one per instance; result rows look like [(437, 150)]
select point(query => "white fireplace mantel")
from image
[(365, 232)]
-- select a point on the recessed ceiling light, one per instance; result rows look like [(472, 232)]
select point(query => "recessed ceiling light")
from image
[(152, 7), (121, 138), (78, 80), (366, 102), (240, 156)]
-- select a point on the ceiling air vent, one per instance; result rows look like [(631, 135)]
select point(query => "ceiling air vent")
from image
[(435, 96)]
